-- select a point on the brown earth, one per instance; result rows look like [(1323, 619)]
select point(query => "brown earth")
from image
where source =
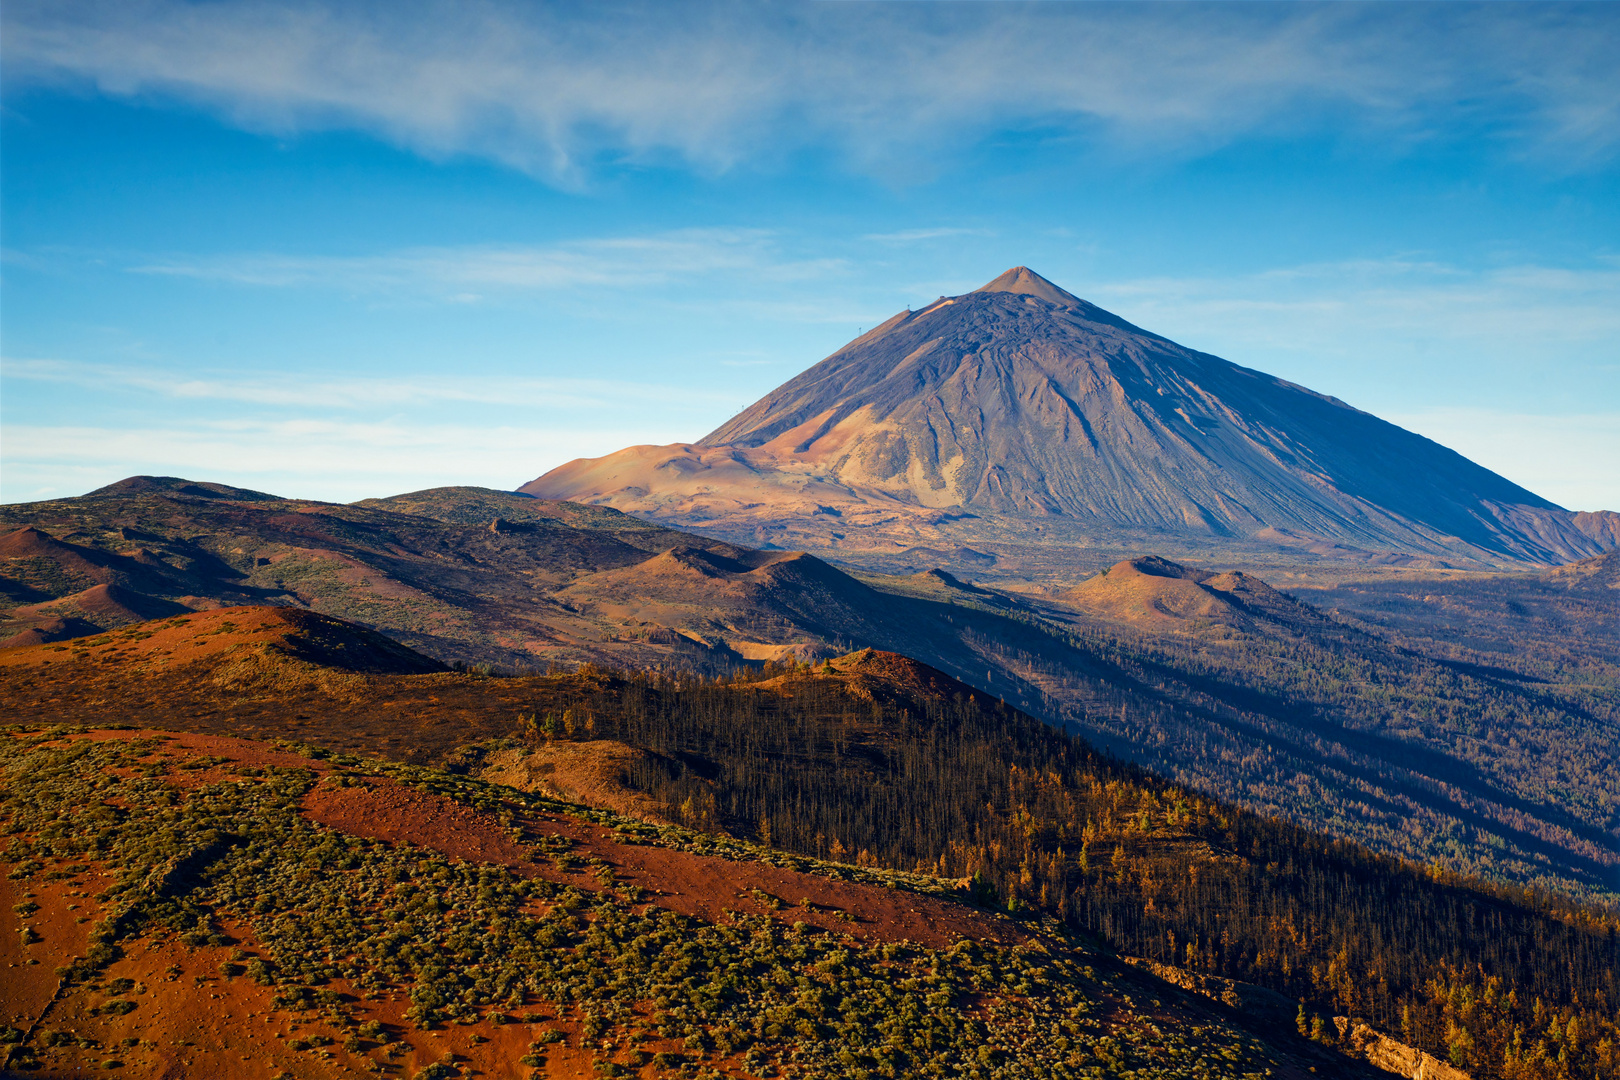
[(193, 1021), (458, 590), (168, 673), (1155, 593), (873, 674), (589, 772), (196, 637), (50, 630), (539, 583), (106, 604), (276, 672), (701, 886), (391, 811), (253, 680)]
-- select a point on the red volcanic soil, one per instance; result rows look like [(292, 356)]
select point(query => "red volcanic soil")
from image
[(192, 1020), (153, 647), (186, 744), (702, 886), (386, 810)]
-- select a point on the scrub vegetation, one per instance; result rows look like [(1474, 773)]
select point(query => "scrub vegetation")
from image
[(477, 943)]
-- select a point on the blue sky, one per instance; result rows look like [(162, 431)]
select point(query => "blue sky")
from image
[(340, 250)]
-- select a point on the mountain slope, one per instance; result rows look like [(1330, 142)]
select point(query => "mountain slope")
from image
[(1022, 401), (464, 574)]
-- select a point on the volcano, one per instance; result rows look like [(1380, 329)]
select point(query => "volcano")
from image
[(1020, 408)]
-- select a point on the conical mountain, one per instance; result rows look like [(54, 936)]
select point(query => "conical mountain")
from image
[(1020, 400)]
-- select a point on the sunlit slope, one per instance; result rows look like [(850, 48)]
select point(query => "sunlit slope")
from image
[(1022, 401)]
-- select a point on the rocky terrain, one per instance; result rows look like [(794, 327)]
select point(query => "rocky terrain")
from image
[(1019, 426), (1015, 693)]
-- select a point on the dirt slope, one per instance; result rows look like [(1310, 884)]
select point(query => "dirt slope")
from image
[(182, 644), (467, 574), (1185, 697)]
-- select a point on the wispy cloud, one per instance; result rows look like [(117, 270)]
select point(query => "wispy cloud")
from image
[(1341, 308), (559, 90), (464, 274), (915, 236), (302, 391)]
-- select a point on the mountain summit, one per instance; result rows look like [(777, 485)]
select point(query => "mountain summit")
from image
[(1023, 281), (1021, 401)]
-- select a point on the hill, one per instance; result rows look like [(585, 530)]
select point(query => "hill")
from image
[(1482, 756), (1158, 593), (261, 907), (363, 915), (464, 574), (449, 928), (1020, 402), (222, 646)]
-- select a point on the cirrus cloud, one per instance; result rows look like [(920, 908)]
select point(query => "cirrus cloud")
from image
[(616, 262), (561, 90)]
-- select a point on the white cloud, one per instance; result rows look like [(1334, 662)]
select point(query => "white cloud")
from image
[(559, 90), (1365, 308), (303, 391), (339, 437), (454, 273), (913, 236)]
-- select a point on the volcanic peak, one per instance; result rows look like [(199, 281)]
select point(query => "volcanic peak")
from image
[(1022, 401), (1022, 281)]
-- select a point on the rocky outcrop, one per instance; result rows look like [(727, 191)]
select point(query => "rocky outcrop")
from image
[(1354, 1037), (1392, 1056)]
